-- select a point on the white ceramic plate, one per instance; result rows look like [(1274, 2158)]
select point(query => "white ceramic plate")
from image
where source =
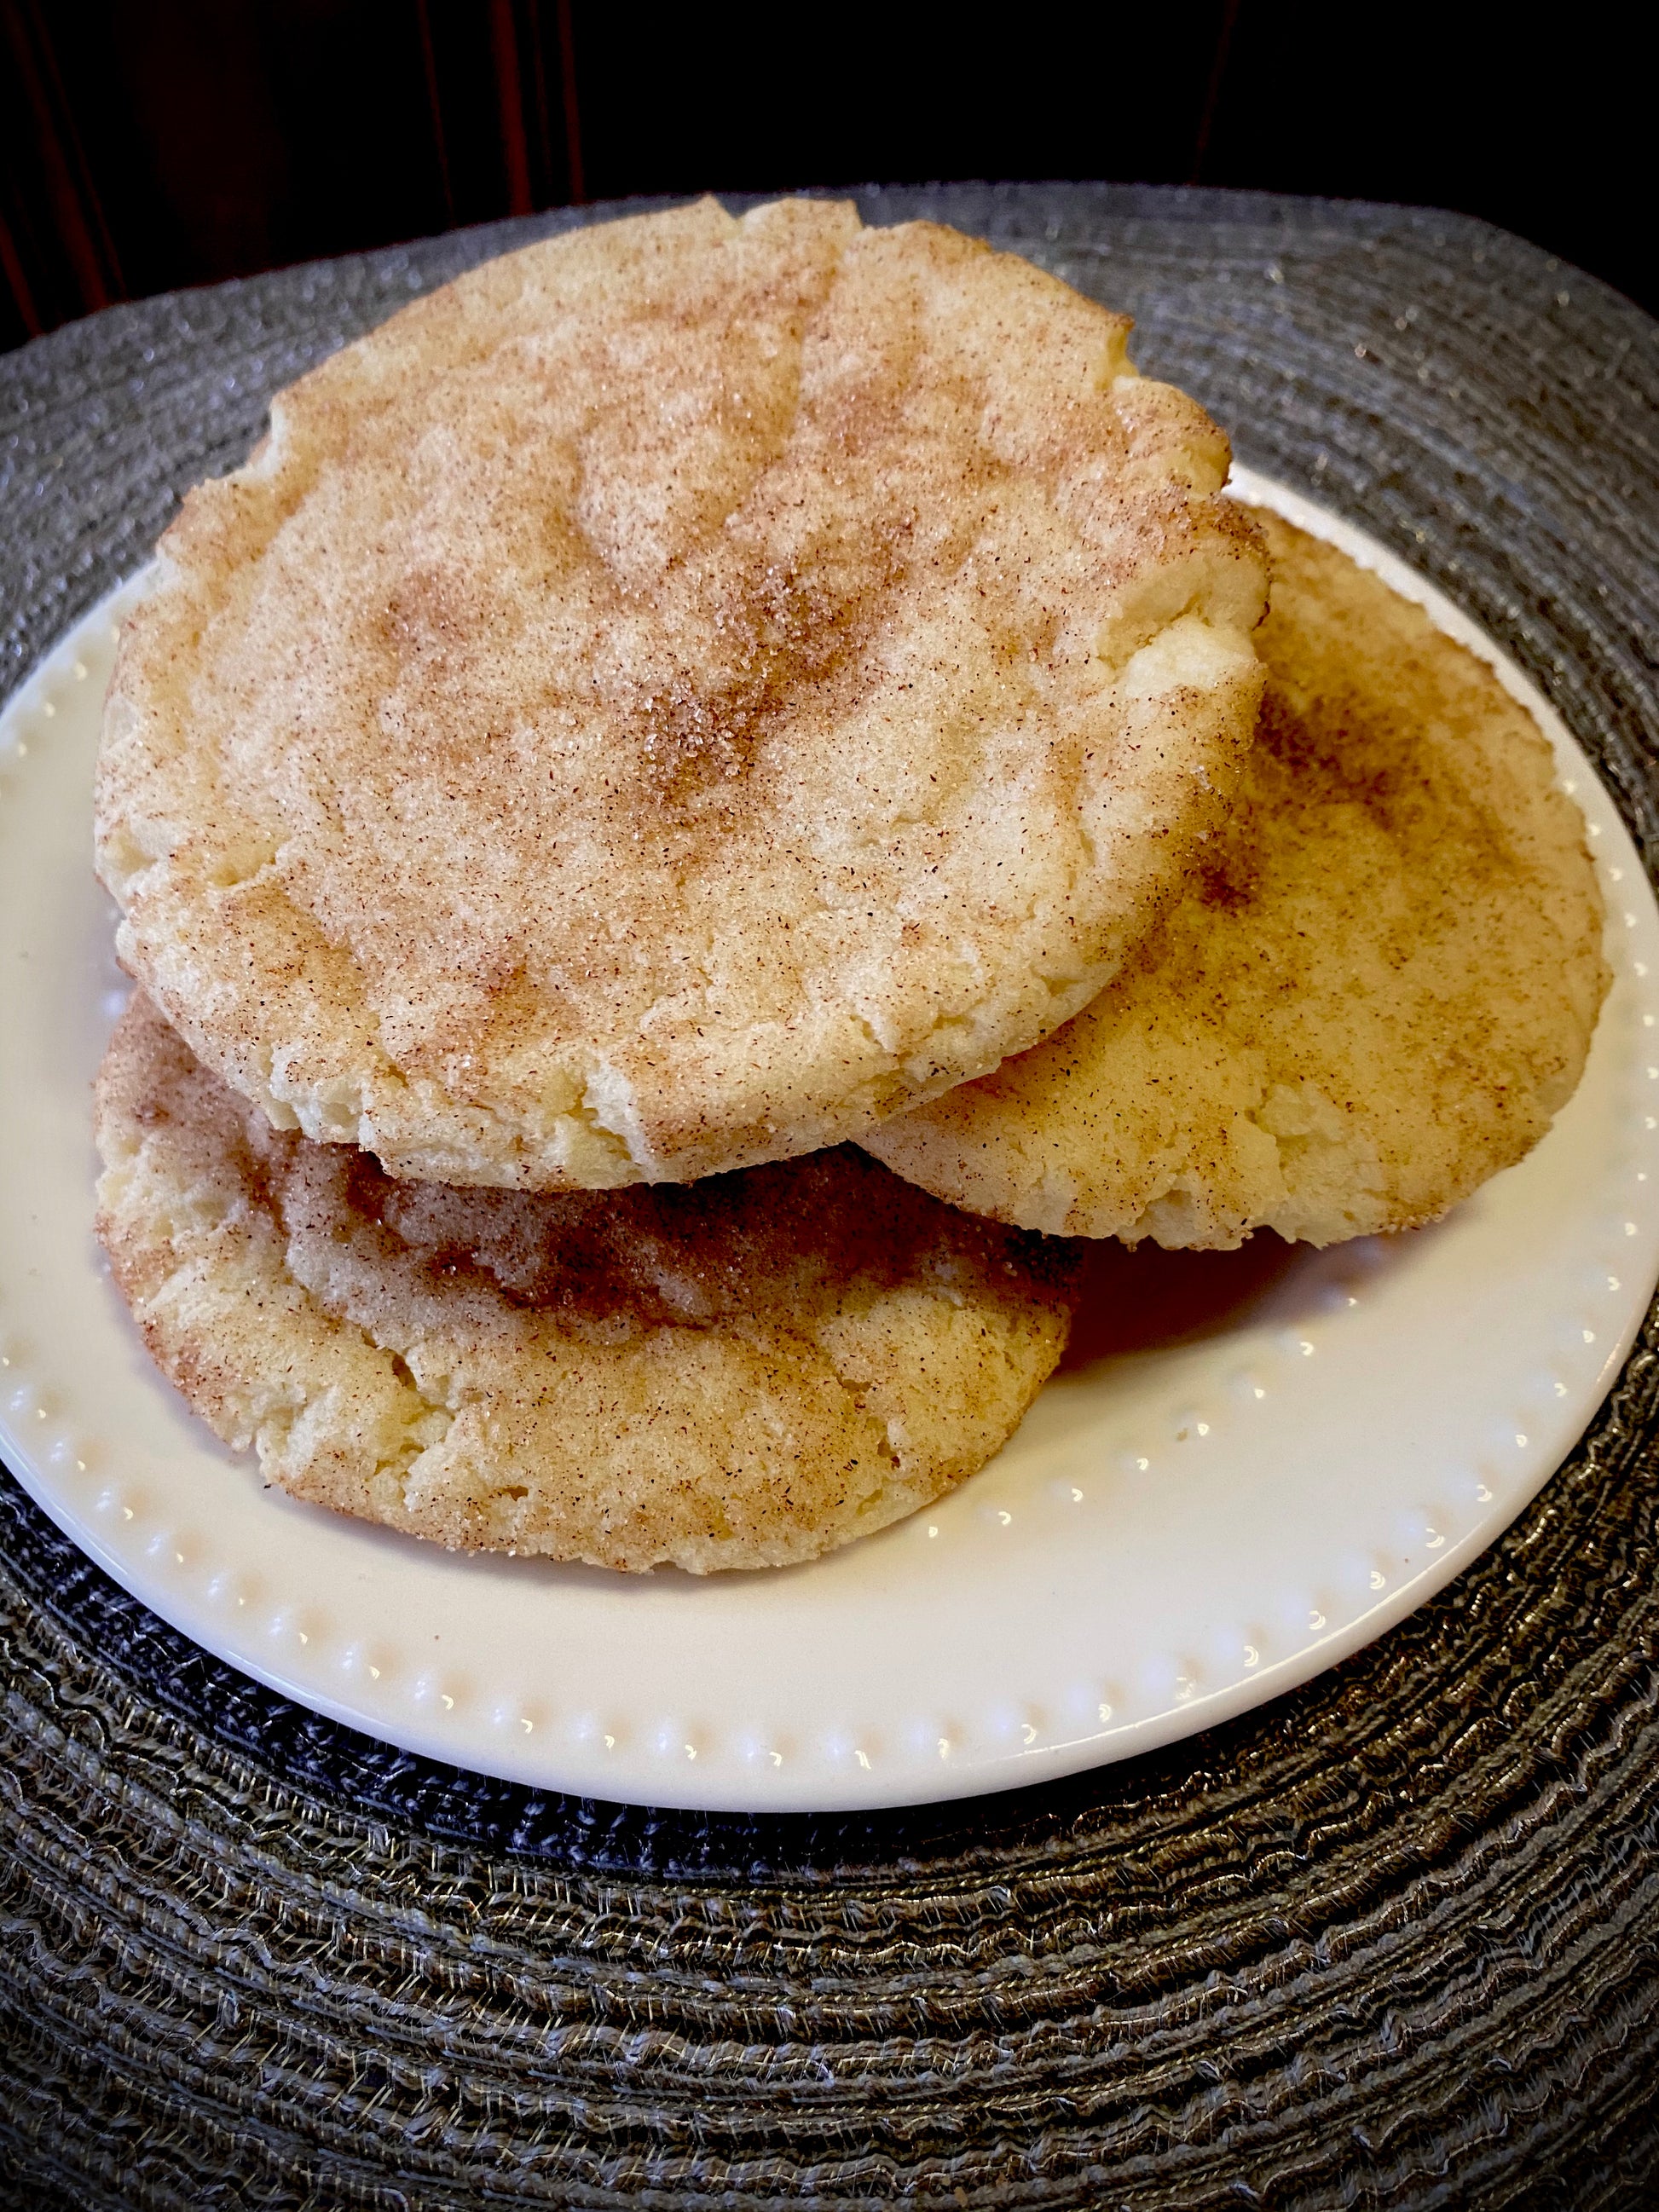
[(1179, 1531)]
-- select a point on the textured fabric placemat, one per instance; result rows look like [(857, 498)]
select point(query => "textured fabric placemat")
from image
[(1391, 1940)]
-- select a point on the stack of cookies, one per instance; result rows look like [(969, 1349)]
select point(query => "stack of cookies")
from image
[(713, 797)]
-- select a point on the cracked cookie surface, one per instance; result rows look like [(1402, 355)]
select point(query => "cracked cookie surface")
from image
[(674, 695), (745, 1373), (1377, 990)]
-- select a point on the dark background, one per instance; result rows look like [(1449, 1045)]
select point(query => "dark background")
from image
[(150, 144)]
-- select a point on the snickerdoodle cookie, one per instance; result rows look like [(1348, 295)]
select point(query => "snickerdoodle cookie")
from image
[(1379, 987), (675, 696), (742, 1374)]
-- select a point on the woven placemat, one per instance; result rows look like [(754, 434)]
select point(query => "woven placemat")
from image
[(1392, 1940)]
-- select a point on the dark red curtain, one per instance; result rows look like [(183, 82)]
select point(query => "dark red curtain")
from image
[(148, 144)]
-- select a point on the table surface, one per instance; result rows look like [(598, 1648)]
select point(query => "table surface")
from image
[(1392, 1940)]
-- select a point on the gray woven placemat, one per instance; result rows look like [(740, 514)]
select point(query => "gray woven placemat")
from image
[(1393, 1941)]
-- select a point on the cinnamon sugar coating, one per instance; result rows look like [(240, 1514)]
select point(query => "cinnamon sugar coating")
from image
[(674, 696), (744, 1373), (1378, 989)]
